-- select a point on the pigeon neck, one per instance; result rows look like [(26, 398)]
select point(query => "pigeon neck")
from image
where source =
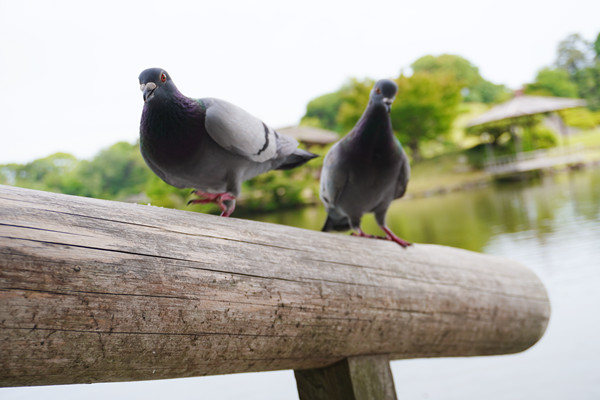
[(168, 112), (171, 128), (374, 127)]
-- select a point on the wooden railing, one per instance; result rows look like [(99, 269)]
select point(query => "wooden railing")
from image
[(535, 160), (102, 291)]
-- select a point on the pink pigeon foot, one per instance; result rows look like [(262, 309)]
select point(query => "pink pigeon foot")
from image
[(360, 233), (391, 236), (217, 198)]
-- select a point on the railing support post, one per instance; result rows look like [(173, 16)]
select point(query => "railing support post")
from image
[(353, 378)]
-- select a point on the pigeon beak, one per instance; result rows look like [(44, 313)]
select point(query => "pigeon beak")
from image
[(388, 103), (148, 90)]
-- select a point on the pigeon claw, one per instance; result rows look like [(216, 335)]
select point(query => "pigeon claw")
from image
[(225, 201), (360, 233), (389, 235)]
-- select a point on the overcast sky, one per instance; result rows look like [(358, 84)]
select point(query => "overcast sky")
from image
[(69, 68)]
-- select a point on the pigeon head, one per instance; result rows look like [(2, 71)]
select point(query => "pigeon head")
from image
[(384, 93), (155, 81)]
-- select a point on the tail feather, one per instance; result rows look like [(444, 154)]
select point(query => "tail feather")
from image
[(297, 158)]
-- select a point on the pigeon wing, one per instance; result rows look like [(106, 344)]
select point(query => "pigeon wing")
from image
[(333, 177), (239, 132), (403, 175)]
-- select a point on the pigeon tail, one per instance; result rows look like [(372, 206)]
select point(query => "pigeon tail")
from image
[(297, 158), (340, 225)]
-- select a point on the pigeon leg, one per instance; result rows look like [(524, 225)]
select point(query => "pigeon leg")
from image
[(204, 198), (360, 233), (227, 204), (391, 236), (225, 201)]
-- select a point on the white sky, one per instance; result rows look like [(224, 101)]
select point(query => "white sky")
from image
[(68, 69)]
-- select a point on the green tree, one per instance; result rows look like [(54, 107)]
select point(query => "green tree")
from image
[(335, 111), (355, 98), (581, 60), (425, 107), (115, 173), (475, 88), (574, 54), (552, 82), (46, 173), (162, 194), (322, 112)]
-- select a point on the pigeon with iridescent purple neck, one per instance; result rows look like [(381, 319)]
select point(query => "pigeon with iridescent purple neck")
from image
[(207, 144), (366, 170)]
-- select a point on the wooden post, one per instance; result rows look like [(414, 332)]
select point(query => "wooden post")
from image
[(354, 378), (102, 291)]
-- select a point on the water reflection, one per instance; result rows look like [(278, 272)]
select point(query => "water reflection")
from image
[(469, 219)]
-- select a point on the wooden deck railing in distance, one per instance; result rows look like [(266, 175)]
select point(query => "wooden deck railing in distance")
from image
[(99, 291)]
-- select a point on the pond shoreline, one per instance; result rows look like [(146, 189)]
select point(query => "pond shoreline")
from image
[(490, 179)]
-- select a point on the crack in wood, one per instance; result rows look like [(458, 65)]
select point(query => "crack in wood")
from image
[(279, 278), (139, 333)]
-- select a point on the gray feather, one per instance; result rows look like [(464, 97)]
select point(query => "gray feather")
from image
[(238, 131)]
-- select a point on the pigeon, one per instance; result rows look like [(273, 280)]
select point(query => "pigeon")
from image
[(365, 170), (207, 144)]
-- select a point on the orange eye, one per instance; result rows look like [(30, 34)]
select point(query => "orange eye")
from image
[(377, 90), (163, 77)]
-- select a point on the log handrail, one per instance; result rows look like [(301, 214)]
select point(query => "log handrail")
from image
[(103, 291)]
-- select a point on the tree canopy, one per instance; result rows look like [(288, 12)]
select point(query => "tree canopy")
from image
[(335, 111), (580, 60), (425, 108), (574, 53), (119, 173), (552, 82), (475, 88)]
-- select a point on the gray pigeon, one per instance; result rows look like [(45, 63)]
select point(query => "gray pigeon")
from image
[(207, 144), (366, 170)]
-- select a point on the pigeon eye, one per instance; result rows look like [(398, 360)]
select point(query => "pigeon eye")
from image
[(377, 90), (163, 77)]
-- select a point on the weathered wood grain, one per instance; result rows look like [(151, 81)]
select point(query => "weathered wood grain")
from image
[(94, 290)]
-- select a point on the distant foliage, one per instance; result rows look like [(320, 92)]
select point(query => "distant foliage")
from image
[(120, 173), (46, 173), (580, 59), (581, 118), (552, 82), (425, 108), (322, 112), (574, 53), (474, 87), (355, 97), (539, 137), (115, 173), (335, 111)]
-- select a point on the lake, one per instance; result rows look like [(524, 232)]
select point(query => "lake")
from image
[(551, 225)]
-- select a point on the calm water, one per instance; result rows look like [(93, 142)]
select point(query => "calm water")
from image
[(552, 226)]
